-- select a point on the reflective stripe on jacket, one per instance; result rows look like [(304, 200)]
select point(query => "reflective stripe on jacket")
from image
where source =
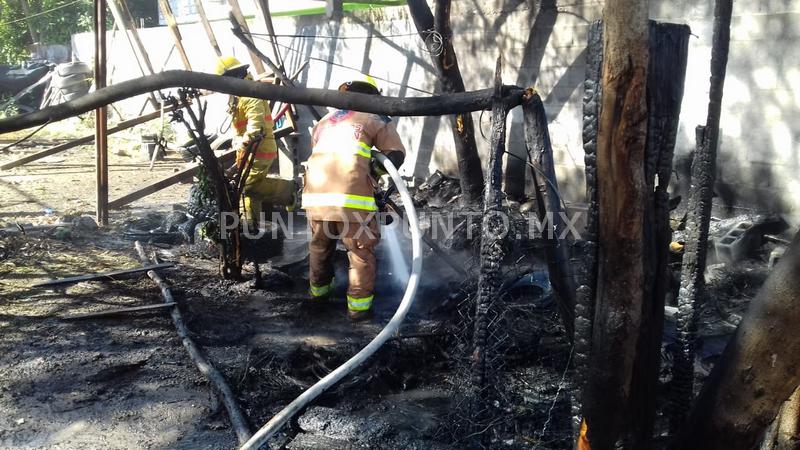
[(251, 118), (338, 186)]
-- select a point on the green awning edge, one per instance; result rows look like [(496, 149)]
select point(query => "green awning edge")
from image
[(347, 7)]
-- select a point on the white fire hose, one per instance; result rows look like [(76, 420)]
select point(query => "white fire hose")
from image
[(390, 330)]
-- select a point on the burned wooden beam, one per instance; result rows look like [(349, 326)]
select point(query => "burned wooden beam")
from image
[(124, 21), (106, 276), (698, 220), (756, 373), (263, 5), (549, 201), (394, 106), (667, 68), (621, 140)]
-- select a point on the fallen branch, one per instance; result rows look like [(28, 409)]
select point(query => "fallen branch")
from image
[(115, 312), (434, 105), (217, 380), (106, 276)]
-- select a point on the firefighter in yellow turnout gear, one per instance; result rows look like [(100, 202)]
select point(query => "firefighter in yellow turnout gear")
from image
[(339, 197), (252, 123)]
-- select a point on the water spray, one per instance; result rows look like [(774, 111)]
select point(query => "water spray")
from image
[(389, 331)]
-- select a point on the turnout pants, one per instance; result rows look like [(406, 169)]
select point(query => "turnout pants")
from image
[(257, 190), (360, 241)]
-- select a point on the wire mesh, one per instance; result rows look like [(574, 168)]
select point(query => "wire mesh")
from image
[(526, 396)]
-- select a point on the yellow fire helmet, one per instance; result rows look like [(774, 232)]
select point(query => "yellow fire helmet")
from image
[(364, 85), (230, 66)]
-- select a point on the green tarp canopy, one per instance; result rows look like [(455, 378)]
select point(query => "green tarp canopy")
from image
[(318, 7)]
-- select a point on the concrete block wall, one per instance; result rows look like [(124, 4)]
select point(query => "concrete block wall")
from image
[(542, 43)]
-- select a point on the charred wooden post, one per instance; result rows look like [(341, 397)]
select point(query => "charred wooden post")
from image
[(549, 206), (669, 49), (757, 372), (668, 55), (697, 223), (435, 105), (586, 292), (621, 140), (449, 75), (494, 229)]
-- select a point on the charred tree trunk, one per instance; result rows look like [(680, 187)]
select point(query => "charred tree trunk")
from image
[(694, 257), (669, 49), (621, 141), (551, 213), (438, 37), (668, 54), (757, 372), (493, 231), (227, 202)]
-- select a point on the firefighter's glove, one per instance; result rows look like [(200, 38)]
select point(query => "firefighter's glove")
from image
[(377, 168), (380, 201)]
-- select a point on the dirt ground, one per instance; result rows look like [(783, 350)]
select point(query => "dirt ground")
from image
[(64, 183), (126, 381)]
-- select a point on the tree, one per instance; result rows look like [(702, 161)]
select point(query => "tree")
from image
[(55, 21), (13, 33), (449, 75)]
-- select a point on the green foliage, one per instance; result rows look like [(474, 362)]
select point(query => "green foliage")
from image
[(53, 27), (58, 26), (13, 36)]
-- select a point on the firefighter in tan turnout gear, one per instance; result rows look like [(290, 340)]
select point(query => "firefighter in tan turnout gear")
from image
[(252, 123), (339, 197)]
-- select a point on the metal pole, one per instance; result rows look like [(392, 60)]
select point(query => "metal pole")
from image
[(101, 117)]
